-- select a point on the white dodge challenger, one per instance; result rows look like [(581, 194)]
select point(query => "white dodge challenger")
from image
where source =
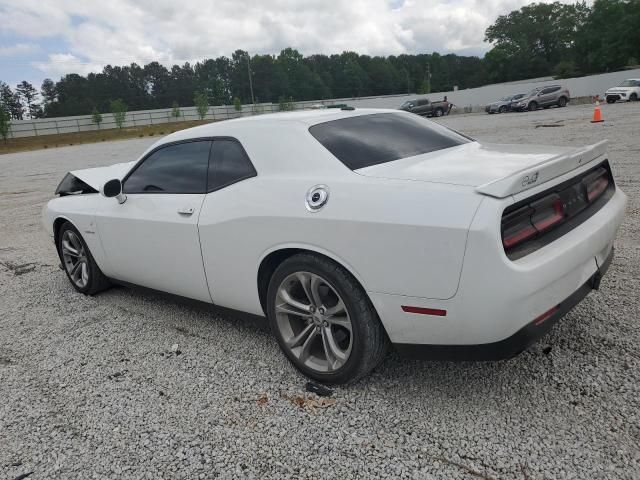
[(350, 230)]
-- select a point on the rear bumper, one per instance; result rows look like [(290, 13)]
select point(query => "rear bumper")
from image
[(498, 298), (516, 343)]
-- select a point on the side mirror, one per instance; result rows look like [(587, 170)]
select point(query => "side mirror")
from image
[(113, 188)]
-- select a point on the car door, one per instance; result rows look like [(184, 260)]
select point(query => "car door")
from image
[(152, 238), (423, 107), (230, 187), (547, 96)]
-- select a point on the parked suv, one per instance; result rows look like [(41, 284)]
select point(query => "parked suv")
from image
[(426, 108), (544, 97), (627, 91)]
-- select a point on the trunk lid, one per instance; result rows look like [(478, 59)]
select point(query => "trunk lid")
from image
[(493, 169)]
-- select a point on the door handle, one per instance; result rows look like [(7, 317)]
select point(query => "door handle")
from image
[(185, 211)]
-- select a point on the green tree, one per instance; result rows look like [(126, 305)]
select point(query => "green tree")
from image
[(201, 103), (286, 104), (11, 101), (5, 122), (26, 91), (119, 111), (540, 35), (237, 104), (175, 110), (609, 37), (96, 117), (565, 69)]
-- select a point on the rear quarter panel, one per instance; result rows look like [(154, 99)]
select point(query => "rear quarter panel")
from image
[(395, 236)]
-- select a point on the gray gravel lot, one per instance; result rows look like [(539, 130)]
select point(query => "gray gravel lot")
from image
[(89, 386)]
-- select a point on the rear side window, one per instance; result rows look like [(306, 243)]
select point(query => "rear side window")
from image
[(367, 140), (179, 168), (229, 164)]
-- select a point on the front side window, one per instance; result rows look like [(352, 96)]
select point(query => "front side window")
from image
[(366, 140), (229, 164), (179, 168)]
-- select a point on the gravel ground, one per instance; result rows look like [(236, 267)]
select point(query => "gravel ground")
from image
[(91, 388)]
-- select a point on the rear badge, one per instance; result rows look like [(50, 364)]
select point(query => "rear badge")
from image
[(530, 179), (317, 197)]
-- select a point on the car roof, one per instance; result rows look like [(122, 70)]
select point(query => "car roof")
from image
[(303, 119)]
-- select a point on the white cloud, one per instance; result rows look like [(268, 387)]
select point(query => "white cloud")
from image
[(124, 31), (17, 49), (59, 64)]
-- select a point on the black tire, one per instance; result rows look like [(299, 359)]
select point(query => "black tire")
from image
[(438, 112), (611, 100), (562, 102), (633, 97), (97, 280), (533, 106), (502, 109), (370, 341)]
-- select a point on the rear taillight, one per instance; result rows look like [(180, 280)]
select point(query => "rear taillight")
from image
[(525, 225), (596, 183), (530, 220), (517, 227), (548, 211)]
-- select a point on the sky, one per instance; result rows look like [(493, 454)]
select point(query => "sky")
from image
[(49, 38)]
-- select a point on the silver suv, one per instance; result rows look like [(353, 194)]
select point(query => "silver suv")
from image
[(544, 97)]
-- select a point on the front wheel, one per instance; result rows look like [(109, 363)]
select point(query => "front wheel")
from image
[(502, 109), (562, 102), (82, 270), (324, 322), (633, 97)]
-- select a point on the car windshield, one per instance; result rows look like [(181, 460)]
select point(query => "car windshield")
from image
[(366, 140), (630, 83)]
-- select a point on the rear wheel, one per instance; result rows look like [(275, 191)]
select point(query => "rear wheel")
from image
[(438, 112), (503, 109), (633, 97), (81, 269), (562, 102), (533, 106), (323, 320)]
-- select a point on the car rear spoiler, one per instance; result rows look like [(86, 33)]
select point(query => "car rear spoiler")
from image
[(544, 171)]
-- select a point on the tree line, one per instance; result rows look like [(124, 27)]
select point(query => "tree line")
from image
[(536, 40)]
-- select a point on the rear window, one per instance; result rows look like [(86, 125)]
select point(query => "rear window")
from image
[(367, 140)]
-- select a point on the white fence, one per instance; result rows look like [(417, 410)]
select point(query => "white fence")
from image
[(471, 99)]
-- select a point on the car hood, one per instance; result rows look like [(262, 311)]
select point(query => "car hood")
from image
[(497, 170), (621, 89), (98, 176)]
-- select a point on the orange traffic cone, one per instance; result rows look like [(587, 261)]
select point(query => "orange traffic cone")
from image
[(597, 114)]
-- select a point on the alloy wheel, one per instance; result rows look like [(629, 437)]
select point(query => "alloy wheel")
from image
[(75, 259), (314, 322)]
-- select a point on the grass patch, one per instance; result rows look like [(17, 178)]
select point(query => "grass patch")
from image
[(94, 136)]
